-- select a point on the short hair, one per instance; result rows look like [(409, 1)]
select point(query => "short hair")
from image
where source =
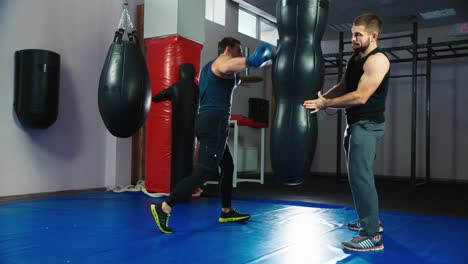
[(227, 42), (370, 20)]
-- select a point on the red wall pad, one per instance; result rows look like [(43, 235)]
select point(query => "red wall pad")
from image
[(163, 57)]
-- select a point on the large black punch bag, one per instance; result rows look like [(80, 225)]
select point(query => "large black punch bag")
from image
[(184, 95), (298, 73), (37, 81), (124, 95)]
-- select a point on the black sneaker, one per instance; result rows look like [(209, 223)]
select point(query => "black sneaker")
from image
[(356, 226), (364, 243), (233, 216), (161, 219)]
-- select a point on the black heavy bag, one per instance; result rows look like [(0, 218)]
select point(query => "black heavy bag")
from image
[(184, 95), (124, 94), (37, 81), (297, 75)]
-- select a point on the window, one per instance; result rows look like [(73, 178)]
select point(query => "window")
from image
[(256, 26), (247, 23), (268, 32), (215, 10)]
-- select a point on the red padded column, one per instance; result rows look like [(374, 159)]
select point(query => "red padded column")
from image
[(164, 55)]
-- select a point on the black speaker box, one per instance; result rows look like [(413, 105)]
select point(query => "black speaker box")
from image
[(259, 110)]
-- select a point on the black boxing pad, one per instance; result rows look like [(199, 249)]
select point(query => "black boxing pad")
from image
[(298, 73), (124, 94)]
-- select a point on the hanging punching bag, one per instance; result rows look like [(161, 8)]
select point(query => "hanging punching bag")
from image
[(184, 95), (124, 94), (37, 81), (297, 75)]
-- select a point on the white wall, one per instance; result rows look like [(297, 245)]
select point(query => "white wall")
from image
[(76, 152)]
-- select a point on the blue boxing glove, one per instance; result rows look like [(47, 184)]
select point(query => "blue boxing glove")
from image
[(261, 54)]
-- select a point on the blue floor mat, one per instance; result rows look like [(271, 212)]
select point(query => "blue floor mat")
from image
[(118, 228)]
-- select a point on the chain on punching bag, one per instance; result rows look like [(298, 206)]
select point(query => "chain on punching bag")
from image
[(297, 75), (124, 94)]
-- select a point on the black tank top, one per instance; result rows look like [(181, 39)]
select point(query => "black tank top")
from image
[(374, 108)]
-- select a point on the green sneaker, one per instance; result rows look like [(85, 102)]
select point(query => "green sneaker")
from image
[(233, 216), (364, 243), (161, 219)]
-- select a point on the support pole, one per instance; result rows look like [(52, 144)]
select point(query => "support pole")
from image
[(414, 93), (428, 109), (339, 113)]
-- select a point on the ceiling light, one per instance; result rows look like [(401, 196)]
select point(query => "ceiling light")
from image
[(438, 13)]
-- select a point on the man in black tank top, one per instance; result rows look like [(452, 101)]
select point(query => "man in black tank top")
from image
[(218, 79), (362, 94)]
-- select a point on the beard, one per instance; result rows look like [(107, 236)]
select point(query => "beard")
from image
[(363, 47)]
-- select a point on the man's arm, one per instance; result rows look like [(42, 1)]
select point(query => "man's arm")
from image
[(224, 65), (337, 90), (375, 69)]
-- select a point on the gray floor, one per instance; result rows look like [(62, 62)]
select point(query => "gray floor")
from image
[(433, 198)]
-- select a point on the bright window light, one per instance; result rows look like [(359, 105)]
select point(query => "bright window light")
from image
[(215, 10), (268, 33), (247, 24)]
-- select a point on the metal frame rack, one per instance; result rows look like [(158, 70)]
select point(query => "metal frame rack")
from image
[(415, 52)]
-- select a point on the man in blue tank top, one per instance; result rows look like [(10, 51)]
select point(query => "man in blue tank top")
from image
[(362, 93), (218, 78)]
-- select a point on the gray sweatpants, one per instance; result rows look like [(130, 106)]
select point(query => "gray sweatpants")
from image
[(360, 141)]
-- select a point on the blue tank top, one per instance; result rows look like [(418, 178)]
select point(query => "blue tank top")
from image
[(216, 92)]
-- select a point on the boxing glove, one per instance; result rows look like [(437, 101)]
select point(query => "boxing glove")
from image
[(261, 54)]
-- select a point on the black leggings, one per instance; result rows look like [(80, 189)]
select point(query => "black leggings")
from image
[(212, 131)]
